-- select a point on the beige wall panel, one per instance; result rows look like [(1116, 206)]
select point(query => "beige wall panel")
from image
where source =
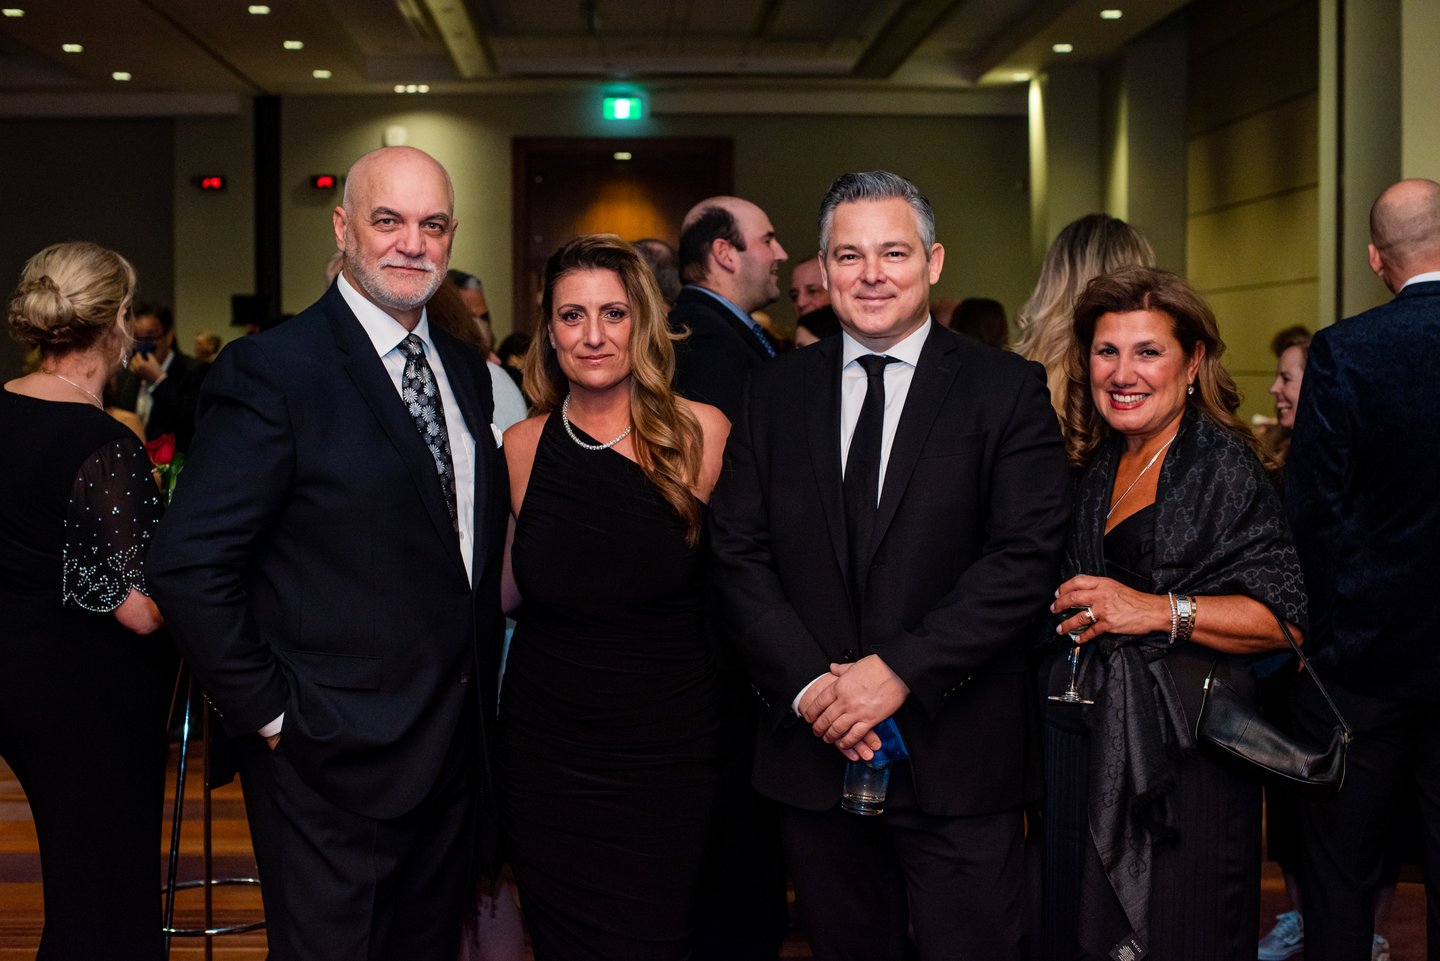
[(1262, 154), (1269, 241), (1275, 62), (1250, 318), (1255, 395)]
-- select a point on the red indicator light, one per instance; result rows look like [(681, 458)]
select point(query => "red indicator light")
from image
[(211, 183), (323, 182)]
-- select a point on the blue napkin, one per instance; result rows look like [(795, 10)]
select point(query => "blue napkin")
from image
[(892, 745)]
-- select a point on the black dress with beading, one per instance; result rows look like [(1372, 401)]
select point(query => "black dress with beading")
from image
[(82, 700), (609, 745)]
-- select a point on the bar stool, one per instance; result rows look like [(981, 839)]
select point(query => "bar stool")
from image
[(214, 775)]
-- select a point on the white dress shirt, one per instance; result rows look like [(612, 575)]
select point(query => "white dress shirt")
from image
[(1421, 279), (897, 387)]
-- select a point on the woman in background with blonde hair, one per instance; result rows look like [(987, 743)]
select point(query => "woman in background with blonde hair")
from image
[(609, 747), (82, 696), (1093, 245)]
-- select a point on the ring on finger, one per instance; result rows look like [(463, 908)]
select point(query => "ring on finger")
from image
[(1090, 614)]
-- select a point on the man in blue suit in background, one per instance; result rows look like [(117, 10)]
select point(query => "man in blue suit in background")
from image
[(1361, 491)]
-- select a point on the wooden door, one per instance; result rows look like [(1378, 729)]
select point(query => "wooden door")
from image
[(568, 187)]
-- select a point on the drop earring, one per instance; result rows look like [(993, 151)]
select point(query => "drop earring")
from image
[(1190, 390)]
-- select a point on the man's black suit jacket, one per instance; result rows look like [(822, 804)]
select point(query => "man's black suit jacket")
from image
[(713, 365), (173, 402), (1361, 491), (309, 564), (966, 553)]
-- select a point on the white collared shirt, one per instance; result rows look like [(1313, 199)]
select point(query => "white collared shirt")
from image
[(1421, 279), (386, 333), (897, 387)]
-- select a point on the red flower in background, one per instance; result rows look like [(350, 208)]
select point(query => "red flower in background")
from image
[(161, 450), (167, 463)]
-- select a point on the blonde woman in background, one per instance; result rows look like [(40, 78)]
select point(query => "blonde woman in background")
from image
[(82, 693), (1093, 245)]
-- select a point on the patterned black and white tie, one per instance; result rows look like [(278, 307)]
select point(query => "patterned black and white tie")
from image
[(422, 399)]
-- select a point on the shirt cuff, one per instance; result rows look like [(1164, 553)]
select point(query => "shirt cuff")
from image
[(273, 728), (795, 704)]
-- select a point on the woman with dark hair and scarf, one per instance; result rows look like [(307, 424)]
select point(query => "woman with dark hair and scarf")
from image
[(1179, 559)]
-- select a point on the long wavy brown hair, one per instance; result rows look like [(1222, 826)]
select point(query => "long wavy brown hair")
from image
[(667, 438), (1191, 322)]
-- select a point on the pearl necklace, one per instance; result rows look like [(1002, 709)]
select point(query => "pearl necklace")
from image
[(565, 419), (98, 402), (1148, 464)]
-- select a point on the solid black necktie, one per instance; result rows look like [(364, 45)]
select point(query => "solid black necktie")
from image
[(422, 400), (862, 469)]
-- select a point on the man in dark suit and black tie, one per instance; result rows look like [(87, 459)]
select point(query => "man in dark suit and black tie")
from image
[(730, 262), (1360, 487), (888, 525), (161, 384), (330, 568)]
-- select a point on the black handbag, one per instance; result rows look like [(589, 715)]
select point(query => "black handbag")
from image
[(1228, 722)]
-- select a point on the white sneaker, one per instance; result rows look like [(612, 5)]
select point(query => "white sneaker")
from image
[(1287, 938), (1380, 949)]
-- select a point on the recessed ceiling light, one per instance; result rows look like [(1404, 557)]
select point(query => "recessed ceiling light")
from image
[(1111, 14), (424, 88), (1063, 48), (259, 9), (623, 155), (72, 47), (294, 45), (320, 74), (13, 12), (1020, 76), (121, 75)]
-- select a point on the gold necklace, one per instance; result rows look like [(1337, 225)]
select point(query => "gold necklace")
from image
[(1148, 464)]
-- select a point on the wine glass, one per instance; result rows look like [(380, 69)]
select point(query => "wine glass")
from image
[(1072, 693)]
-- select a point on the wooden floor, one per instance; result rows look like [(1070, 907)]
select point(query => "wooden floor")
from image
[(21, 910)]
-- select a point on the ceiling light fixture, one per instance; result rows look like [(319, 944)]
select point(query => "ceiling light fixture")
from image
[(259, 9), (1063, 48), (1020, 76), (13, 12), (624, 155), (121, 75), (1111, 14), (72, 47), (294, 44), (320, 74)]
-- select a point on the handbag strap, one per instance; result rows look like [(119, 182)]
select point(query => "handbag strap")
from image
[(1309, 669)]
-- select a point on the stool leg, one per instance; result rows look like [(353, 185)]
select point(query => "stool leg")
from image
[(176, 814)]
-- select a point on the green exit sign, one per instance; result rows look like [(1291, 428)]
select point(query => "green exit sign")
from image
[(623, 108)]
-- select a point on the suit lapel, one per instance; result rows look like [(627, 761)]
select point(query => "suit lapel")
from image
[(366, 371), (934, 376), (822, 431)]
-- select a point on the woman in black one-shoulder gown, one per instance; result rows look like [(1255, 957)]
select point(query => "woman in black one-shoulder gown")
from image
[(609, 745)]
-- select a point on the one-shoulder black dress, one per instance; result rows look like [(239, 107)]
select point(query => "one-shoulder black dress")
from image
[(609, 744)]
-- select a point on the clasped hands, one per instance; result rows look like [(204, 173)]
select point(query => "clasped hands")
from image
[(844, 706)]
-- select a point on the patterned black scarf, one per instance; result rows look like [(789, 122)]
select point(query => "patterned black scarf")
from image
[(1219, 530)]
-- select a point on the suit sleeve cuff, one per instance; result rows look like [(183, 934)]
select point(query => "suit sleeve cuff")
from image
[(273, 728)]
